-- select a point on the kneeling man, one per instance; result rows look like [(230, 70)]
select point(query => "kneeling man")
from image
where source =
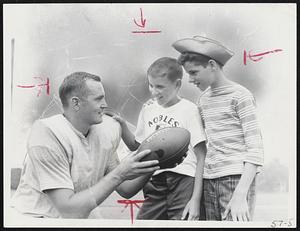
[(71, 164)]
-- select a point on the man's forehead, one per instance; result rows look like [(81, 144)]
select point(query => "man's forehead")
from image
[(94, 87), (93, 83)]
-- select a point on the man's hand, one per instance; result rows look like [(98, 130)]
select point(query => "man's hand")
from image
[(131, 167), (191, 209), (238, 207), (80, 204)]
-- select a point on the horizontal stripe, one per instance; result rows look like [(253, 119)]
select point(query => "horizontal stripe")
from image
[(232, 129)]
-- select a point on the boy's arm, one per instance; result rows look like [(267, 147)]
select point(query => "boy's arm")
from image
[(238, 205), (127, 136), (246, 111), (193, 206)]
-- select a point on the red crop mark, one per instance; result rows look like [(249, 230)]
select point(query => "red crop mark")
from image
[(142, 24), (146, 32), (143, 21), (256, 57), (131, 203), (29, 86), (40, 86)]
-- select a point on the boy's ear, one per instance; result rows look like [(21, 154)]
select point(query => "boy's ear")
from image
[(178, 83), (213, 65)]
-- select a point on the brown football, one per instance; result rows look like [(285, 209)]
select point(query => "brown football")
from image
[(168, 145)]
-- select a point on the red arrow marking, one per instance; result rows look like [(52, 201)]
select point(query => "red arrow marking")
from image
[(30, 86), (264, 53), (251, 57), (131, 203), (47, 84), (146, 32), (143, 21)]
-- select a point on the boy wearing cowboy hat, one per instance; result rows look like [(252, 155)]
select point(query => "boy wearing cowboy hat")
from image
[(234, 147)]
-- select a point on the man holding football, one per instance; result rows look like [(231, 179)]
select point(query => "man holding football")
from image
[(71, 165)]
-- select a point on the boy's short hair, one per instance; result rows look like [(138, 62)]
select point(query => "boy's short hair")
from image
[(166, 67), (75, 84), (196, 58)]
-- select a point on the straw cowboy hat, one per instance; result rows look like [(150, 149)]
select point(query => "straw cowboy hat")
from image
[(204, 46)]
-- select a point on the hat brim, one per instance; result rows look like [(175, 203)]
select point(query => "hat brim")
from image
[(206, 47)]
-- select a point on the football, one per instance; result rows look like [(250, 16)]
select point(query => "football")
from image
[(168, 145)]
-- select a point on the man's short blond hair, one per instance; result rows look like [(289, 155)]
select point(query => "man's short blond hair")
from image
[(75, 84)]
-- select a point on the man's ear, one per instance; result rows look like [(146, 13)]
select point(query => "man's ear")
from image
[(75, 102)]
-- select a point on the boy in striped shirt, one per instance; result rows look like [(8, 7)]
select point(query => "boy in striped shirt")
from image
[(234, 147)]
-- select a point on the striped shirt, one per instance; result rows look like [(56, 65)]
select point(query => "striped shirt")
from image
[(232, 129)]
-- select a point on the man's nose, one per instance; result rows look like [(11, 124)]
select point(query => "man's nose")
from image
[(104, 104)]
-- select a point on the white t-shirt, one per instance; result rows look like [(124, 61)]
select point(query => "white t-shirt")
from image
[(183, 114), (59, 156)]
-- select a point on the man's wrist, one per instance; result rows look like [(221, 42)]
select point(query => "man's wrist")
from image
[(117, 175), (92, 198)]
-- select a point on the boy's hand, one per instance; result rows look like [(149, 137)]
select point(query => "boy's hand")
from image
[(119, 119), (127, 136), (191, 209), (115, 115), (238, 207)]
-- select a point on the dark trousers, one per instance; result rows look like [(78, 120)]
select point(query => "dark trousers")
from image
[(166, 196)]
